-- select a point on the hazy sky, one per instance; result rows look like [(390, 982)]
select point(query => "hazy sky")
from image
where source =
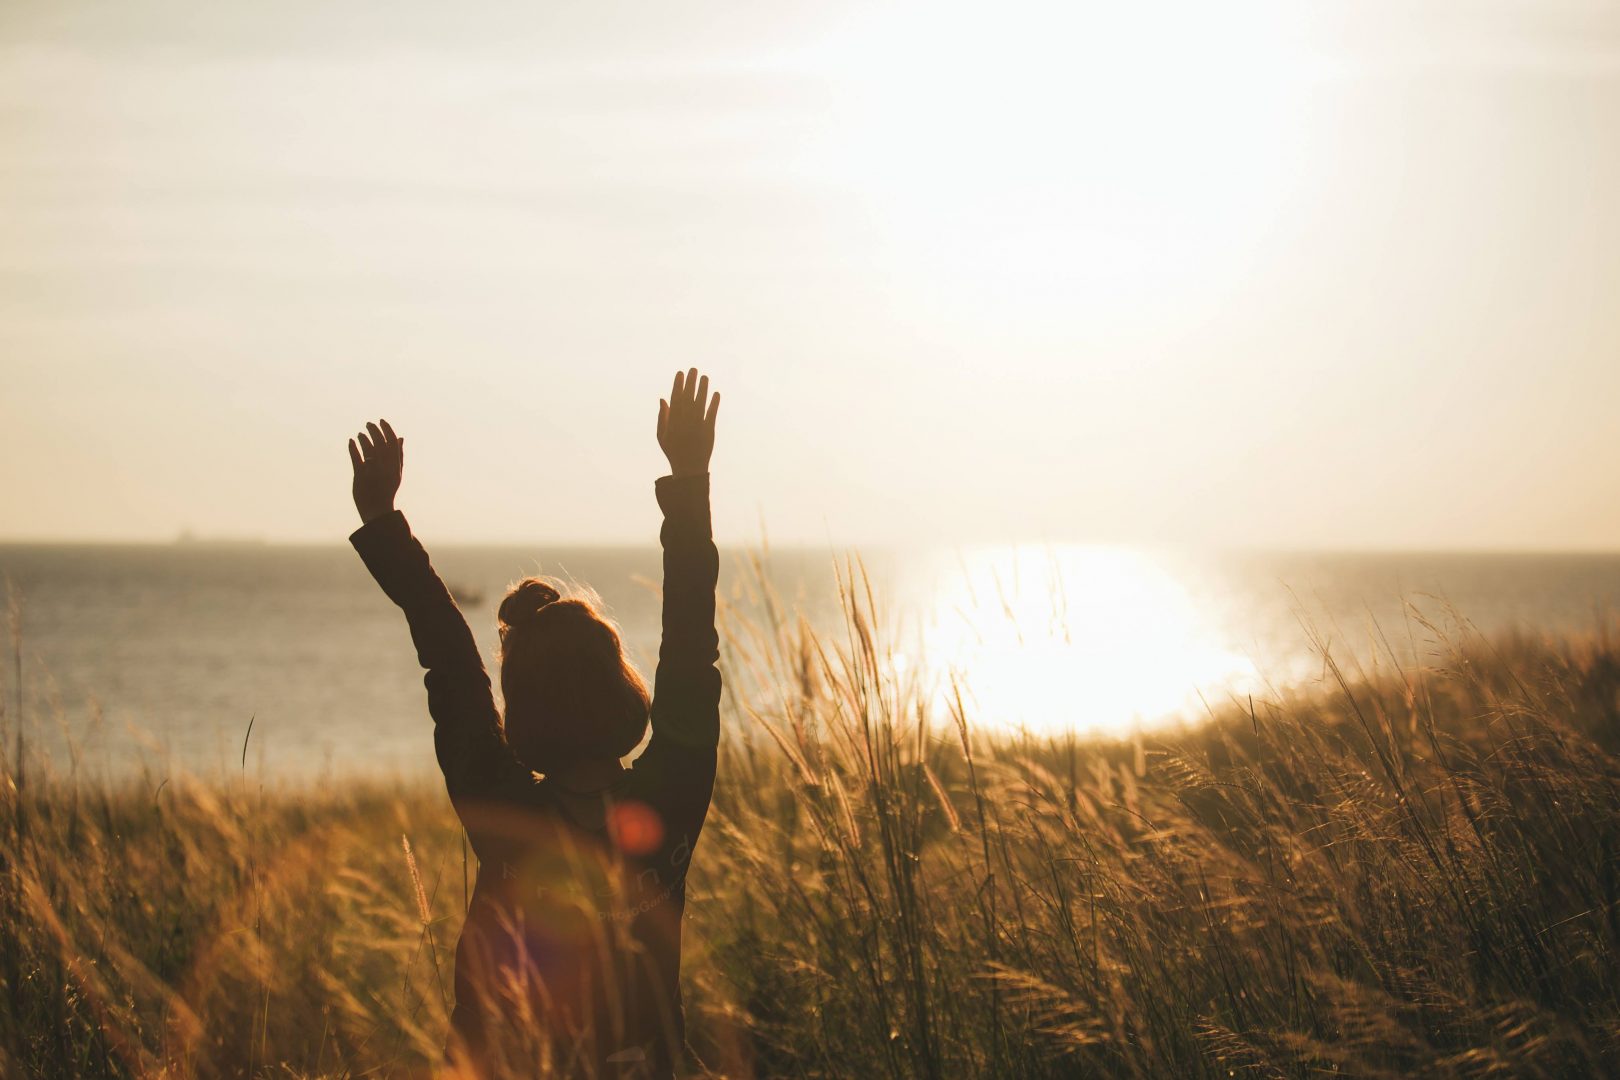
[(1277, 274)]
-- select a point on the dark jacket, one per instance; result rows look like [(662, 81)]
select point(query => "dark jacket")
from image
[(572, 943)]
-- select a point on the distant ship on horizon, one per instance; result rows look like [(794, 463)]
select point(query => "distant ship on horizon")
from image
[(465, 595)]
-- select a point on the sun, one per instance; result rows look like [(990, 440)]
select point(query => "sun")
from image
[(1065, 153)]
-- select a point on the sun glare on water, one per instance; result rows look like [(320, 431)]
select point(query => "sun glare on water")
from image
[(1050, 639)]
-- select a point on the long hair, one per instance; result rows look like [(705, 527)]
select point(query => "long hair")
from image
[(571, 692)]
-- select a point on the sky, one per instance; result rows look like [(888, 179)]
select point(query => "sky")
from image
[(1260, 274)]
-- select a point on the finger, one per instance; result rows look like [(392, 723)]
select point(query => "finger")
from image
[(376, 434), (399, 449), (675, 392), (388, 432), (354, 456), (663, 418), (691, 385), (714, 410), (366, 448), (702, 394)]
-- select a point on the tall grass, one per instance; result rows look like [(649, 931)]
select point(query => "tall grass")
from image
[(1408, 871)]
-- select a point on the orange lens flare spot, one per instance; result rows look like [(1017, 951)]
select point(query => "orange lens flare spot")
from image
[(636, 828)]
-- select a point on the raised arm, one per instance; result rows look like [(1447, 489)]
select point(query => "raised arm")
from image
[(675, 775), (467, 735), (686, 692)]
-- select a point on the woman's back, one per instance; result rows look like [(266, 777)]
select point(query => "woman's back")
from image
[(573, 937), (569, 960)]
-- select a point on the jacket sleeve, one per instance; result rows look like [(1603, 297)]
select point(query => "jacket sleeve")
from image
[(467, 734), (678, 764)]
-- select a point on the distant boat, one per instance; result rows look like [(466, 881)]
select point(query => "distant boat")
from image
[(466, 595)]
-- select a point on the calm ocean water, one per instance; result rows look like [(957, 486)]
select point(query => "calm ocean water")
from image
[(156, 657)]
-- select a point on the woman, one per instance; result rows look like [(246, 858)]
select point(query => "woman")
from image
[(569, 961)]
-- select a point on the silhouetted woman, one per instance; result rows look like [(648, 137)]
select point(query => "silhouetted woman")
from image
[(569, 961)]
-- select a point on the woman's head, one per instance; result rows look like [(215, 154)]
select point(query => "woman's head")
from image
[(571, 693)]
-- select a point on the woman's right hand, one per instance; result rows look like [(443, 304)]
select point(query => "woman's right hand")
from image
[(378, 457), (686, 424)]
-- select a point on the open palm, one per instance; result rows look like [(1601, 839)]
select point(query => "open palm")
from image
[(378, 457), (686, 424)]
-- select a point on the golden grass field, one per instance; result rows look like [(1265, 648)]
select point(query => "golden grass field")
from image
[(1411, 870)]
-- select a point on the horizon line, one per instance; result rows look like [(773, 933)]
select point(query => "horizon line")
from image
[(229, 543)]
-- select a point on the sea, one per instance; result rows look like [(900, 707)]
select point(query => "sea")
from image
[(275, 662)]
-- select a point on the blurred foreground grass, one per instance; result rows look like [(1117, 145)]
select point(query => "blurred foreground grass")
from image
[(1409, 872)]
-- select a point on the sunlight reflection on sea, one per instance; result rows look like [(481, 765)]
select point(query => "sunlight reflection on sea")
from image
[(1068, 638)]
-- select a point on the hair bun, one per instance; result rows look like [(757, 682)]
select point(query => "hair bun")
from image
[(524, 601)]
